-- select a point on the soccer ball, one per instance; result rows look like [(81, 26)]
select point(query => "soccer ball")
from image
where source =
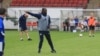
[(80, 35), (74, 31)]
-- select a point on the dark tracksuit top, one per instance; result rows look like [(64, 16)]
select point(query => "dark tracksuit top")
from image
[(22, 22)]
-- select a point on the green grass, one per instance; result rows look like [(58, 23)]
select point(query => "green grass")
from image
[(65, 43)]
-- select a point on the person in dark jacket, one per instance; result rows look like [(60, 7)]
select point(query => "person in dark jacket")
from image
[(23, 27)]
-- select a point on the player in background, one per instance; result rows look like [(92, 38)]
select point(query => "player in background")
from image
[(67, 23), (85, 24), (91, 24), (23, 27), (43, 27), (72, 24), (81, 25), (2, 31), (76, 21), (64, 26)]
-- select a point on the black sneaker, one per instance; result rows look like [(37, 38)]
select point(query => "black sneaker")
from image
[(53, 51), (39, 51), (29, 39)]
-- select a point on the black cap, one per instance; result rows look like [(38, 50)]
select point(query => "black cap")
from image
[(2, 11)]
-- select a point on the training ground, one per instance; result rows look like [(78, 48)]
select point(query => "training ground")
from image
[(65, 43)]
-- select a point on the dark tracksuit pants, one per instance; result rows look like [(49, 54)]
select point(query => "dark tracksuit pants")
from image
[(67, 24), (64, 28), (72, 28), (48, 37), (2, 53)]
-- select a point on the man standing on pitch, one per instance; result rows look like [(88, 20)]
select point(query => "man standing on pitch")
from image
[(43, 27), (2, 31), (23, 27)]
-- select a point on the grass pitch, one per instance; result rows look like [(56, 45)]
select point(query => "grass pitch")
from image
[(65, 43)]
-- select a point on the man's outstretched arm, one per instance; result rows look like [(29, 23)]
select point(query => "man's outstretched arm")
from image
[(35, 15)]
